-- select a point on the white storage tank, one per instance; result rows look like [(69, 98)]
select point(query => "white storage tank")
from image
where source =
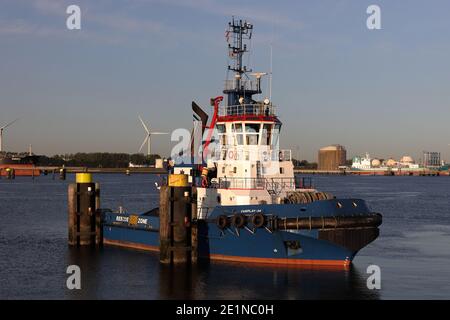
[(376, 163), (158, 163)]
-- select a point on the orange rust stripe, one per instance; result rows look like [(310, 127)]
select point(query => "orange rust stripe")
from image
[(132, 245), (219, 257), (344, 263)]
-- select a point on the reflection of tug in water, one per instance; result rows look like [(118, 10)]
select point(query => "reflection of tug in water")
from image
[(249, 205)]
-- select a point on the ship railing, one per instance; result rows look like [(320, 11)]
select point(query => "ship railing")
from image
[(203, 212), (275, 184), (255, 109), (252, 155), (244, 85), (304, 183)]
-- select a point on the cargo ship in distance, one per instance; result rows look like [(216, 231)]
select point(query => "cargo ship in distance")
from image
[(22, 164), (250, 207)]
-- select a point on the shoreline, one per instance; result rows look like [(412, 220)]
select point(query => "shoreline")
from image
[(105, 170), (152, 170), (404, 172)]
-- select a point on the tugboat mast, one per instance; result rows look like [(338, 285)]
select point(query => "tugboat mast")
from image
[(239, 90), (239, 30)]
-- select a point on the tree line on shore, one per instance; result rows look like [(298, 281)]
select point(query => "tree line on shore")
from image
[(121, 160), (303, 164), (98, 160)]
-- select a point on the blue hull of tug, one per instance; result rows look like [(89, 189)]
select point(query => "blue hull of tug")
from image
[(246, 245)]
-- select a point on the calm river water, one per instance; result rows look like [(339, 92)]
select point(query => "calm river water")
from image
[(413, 250)]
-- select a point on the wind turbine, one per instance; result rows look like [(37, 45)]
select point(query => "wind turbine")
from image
[(1, 133), (148, 137)]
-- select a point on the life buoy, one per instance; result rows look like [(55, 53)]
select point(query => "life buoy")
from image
[(258, 220), (231, 155), (222, 222), (204, 182), (238, 220)]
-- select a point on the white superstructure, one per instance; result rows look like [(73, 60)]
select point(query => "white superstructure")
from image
[(246, 164), (362, 163)]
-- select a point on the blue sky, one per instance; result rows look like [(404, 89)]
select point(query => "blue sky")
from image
[(334, 81)]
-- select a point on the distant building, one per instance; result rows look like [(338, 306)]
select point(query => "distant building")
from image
[(331, 157), (408, 162), (431, 159), (368, 164)]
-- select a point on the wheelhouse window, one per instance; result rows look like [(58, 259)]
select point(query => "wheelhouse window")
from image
[(266, 134), (252, 133), (252, 139), (237, 127), (276, 136), (221, 128), (252, 127), (238, 133), (278, 128), (221, 131)]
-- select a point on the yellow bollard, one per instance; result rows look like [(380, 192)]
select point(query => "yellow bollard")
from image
[(83, 178), (178, 180)]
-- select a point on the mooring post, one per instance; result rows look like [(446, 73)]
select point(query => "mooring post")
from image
[(175, 220), (72, 207), (84, 216), (98, 217), (10, 173), (62, 174), (164, 225)]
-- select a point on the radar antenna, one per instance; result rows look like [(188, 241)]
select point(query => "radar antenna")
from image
[(238, 89)]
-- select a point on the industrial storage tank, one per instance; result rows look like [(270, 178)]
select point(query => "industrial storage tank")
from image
[(158, 163), (332, 157), (406, 159), (376, 163), (391, 162)]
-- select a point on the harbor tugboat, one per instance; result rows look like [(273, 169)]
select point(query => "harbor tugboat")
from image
[(247, 204)]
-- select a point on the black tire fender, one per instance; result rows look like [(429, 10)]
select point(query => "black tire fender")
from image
[(238, 220), (258, 220), (222, 222)]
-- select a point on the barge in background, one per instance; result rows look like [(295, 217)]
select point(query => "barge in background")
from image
[(23, 165)]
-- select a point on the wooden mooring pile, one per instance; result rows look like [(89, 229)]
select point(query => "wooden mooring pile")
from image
[(177, 221), (84, 215), (177, 214)]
